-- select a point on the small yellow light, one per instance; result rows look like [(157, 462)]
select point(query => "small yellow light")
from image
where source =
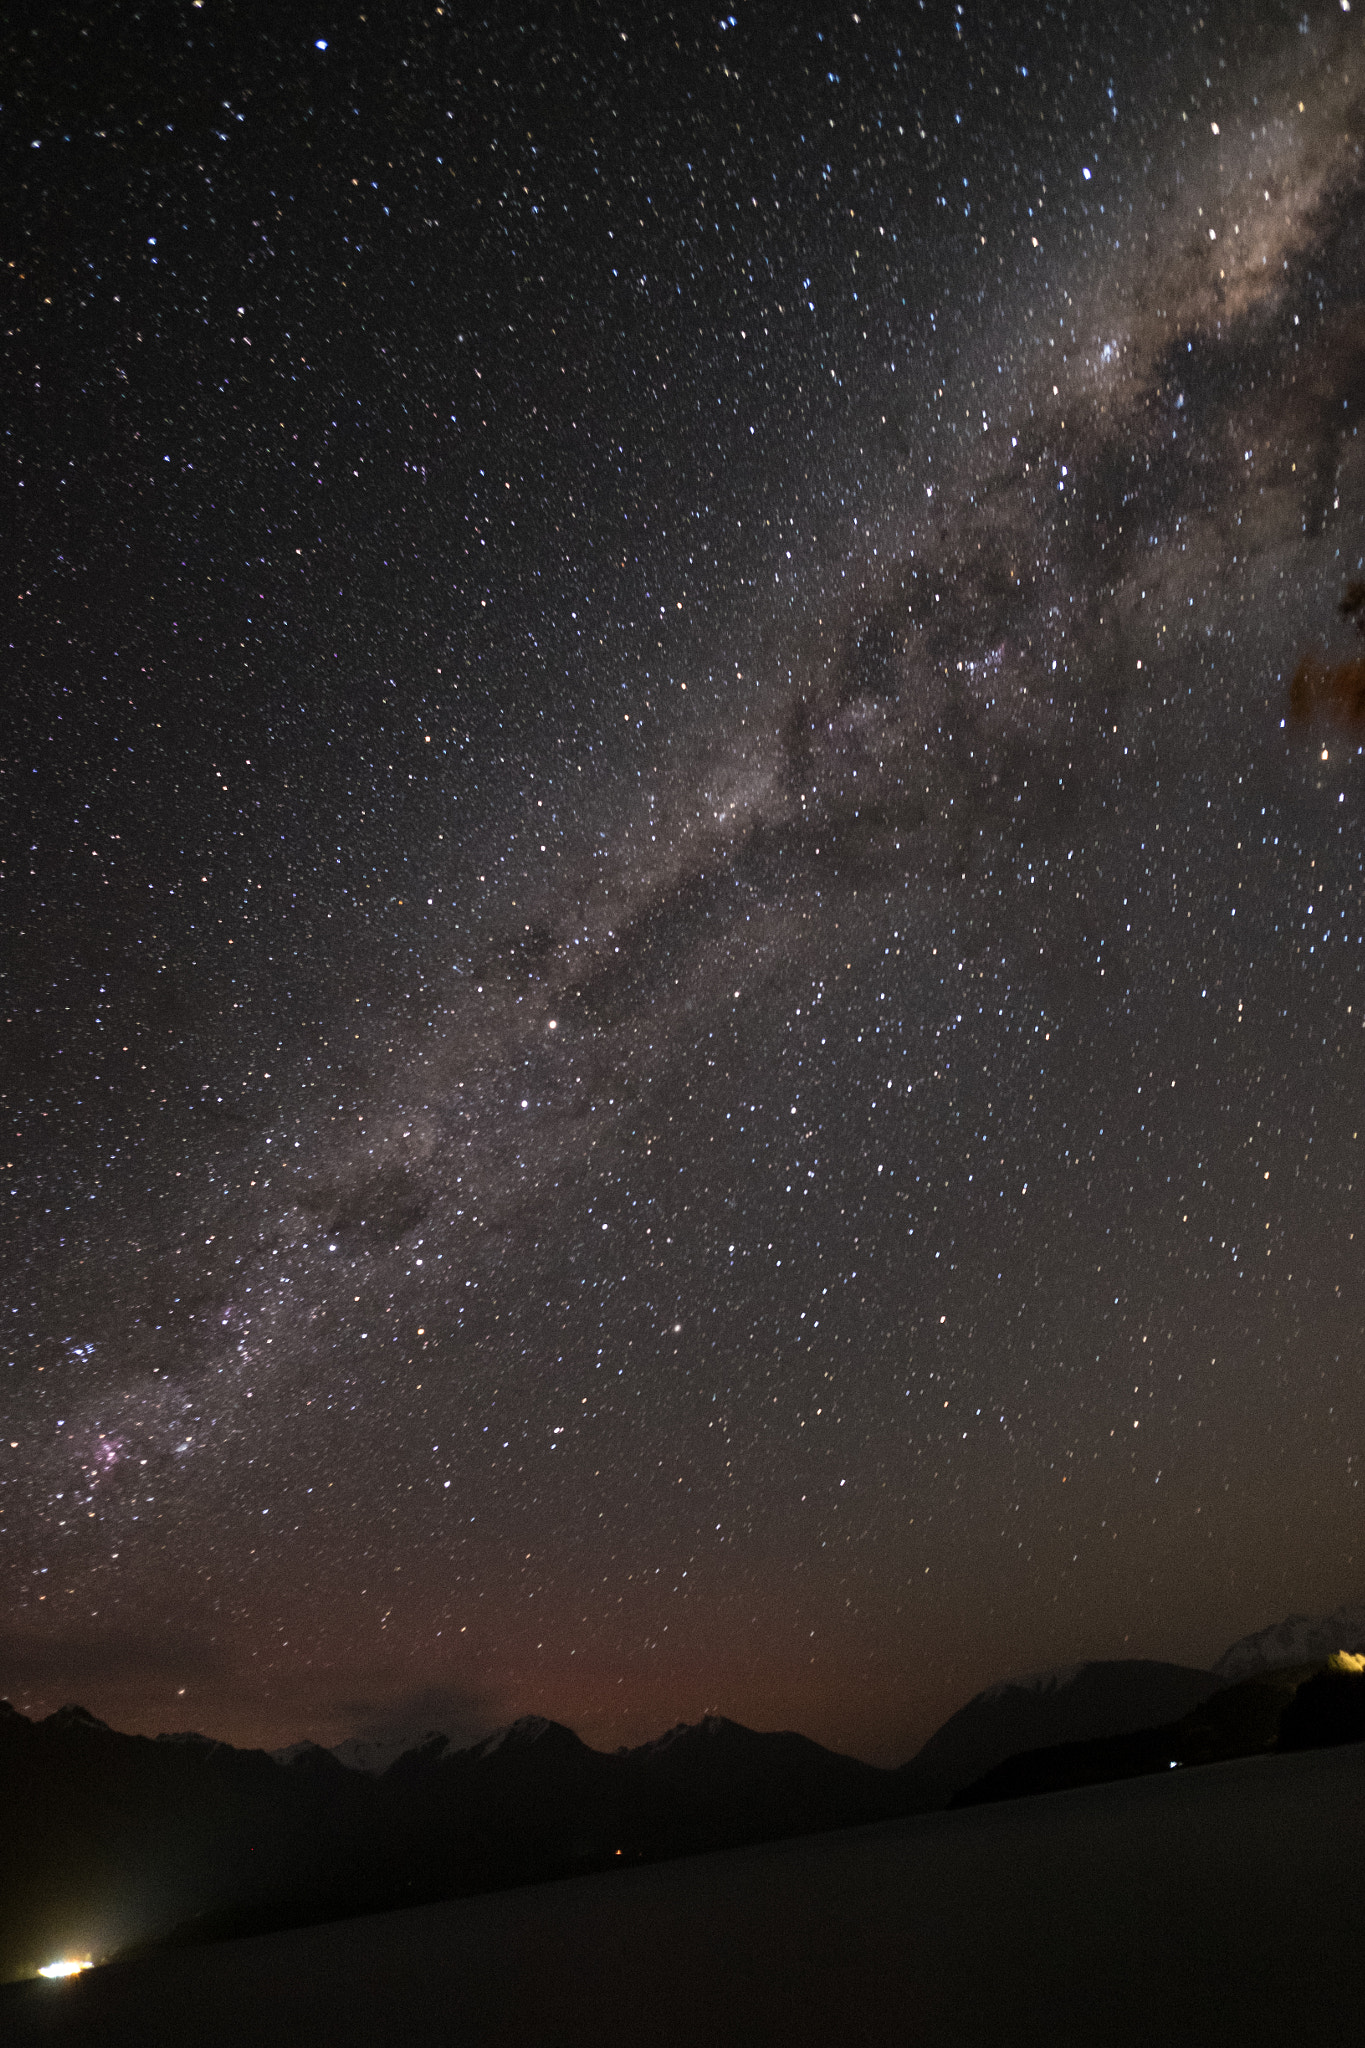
[(69, 1966), (1344, 1660)]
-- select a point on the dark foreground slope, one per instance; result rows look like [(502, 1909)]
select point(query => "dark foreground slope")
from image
[(1209, 1907)]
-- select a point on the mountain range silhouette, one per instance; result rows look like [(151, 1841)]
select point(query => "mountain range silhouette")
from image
[(116, 1841)]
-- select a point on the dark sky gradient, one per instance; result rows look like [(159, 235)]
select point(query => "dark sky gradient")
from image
[(682, 1015)]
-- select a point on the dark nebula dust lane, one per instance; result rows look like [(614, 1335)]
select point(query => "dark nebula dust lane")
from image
[(683, 886)]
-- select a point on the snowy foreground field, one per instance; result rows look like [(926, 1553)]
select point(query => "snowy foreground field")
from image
[(1207, 1906)]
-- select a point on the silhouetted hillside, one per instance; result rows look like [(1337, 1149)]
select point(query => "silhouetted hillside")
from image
[(1082, 1702), (114, 1840), (1328, 1708), (1238, 1721)]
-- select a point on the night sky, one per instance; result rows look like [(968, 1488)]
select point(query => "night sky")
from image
[(682, 1005)]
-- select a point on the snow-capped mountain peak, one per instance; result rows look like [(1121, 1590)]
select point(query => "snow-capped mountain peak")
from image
[(1300, 1639), (374, 1754), (1040, 1682)]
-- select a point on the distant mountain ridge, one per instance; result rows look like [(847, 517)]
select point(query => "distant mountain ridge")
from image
[(1062, 1703)]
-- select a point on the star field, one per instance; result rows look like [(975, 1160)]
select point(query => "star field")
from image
[(682, 999)]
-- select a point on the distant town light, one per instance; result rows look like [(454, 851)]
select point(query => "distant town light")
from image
[(69, 1966)]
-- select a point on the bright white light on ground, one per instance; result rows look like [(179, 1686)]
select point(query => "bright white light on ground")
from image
[(68, 1967)]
